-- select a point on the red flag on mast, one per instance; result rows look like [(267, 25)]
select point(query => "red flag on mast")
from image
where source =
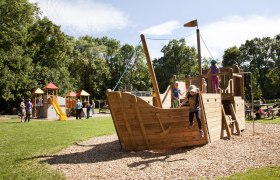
[(191, 24)]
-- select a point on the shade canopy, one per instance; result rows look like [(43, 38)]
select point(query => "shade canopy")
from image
[(38, 91), (83, 93), (50, 86), (71, 94)]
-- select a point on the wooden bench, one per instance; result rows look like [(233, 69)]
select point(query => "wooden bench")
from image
[(249, 114), (272, 111), (104, 109)]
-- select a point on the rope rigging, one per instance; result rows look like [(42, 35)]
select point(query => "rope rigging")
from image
[(206, 46), (132, 60), (128, 65), (162, 39)]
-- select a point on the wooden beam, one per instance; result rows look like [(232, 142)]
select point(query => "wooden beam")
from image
[(204, 120), (164, 131), (139, 118), (224, 123), (127, 125), (233, 115), (114, 117), (151, 71), (169, 88)]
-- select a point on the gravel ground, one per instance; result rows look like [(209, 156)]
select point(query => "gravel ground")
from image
[(102, 158)]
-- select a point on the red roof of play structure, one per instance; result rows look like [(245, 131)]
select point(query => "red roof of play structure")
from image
[(50, 86), (71, 94)]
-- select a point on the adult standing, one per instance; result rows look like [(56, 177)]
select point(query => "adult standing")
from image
[(78, 109), (92, 106), (22, 110), (28, 107)]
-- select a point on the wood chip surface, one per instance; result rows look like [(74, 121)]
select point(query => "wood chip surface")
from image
[(103, 158)]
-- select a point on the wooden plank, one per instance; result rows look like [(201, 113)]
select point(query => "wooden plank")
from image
[(204, 120), (114, 116), (212, 104), (210, 96), (126, 122), (215, 110), (224, 124)]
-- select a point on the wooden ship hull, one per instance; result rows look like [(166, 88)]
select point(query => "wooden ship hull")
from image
[(142, 126)]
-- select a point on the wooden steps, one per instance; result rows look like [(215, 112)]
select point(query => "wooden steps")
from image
[(229, 122)]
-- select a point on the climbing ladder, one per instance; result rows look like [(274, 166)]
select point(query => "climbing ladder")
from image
[(229, 122)]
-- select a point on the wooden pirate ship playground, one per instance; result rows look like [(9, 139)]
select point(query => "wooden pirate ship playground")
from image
[(142, 126)]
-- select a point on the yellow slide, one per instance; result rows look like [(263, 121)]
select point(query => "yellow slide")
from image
[(62, 115)]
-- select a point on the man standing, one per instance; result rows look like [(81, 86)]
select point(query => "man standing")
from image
[(78, 109)]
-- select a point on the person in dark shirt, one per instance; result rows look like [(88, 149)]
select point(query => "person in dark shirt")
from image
[(28, 107)]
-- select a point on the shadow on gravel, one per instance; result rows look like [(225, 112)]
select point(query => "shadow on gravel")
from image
[(109, 152)]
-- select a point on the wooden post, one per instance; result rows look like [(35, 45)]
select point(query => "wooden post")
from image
[(151, 70), (199, 58)]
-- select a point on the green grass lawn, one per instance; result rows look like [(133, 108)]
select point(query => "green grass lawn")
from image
[(266, 173), (266, 121), (19, 142)]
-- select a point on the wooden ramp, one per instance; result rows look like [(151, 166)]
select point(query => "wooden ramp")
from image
[(141, 126)]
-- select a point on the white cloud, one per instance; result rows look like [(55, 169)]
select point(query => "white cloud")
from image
[(162, 29), (234, 31), (83, 16)]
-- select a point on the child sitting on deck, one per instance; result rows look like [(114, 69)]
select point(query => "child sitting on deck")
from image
[(193, 97)]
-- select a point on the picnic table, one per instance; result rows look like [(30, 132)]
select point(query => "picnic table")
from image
[(258, 111), (273, 112)]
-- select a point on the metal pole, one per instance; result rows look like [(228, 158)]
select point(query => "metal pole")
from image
[(252, 98)]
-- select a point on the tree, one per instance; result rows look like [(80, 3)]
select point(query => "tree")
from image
[(257, 54), (52, 54), (90, 68), (274, 73), (15, 64), (178, 59), (231, 57), (137, 76)]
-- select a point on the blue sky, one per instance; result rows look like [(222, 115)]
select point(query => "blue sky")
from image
[(222, 23)]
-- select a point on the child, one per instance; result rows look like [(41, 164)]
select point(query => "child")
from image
[(193, 98), (215, 79), (176, 95)]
